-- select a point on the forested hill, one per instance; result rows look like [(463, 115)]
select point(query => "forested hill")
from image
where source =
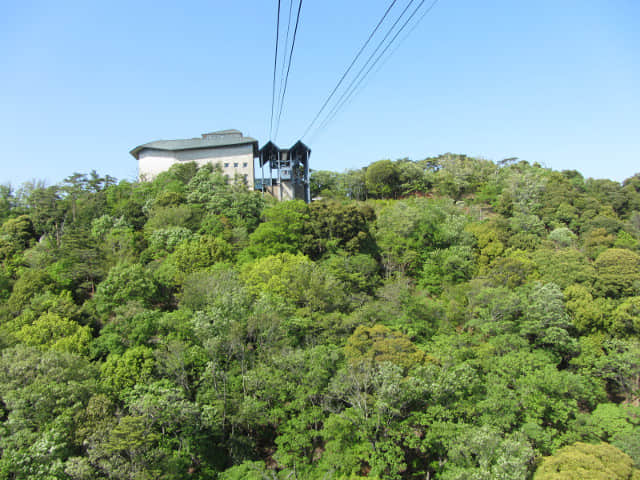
[(449, 319)]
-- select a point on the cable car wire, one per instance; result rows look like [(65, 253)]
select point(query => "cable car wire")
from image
[(346, 72), (345, 94), (346, 97), (275, 67), (286, 44), (353, 86), (286, 80)]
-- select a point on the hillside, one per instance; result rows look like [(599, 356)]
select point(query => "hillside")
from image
[(449, 318)]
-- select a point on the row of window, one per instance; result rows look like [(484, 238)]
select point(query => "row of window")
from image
[(236, 164)]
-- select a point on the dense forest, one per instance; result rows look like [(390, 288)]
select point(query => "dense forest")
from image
[(449, 318)]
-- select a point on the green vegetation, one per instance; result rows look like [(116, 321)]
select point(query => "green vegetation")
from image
[(448, 318)]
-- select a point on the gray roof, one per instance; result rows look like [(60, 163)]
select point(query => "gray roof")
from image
[(222, 138)]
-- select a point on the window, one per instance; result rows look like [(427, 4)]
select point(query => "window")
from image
[(235, 165), (244, 165), (226, 165)]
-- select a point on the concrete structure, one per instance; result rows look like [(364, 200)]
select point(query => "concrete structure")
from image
[(229, 148), (284, 172), (288, 174)]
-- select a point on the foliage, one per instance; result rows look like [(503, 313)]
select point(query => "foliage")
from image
[(192, 255), (383, 179), (446, 318), (618, 272), (285, 230), (584, 461), (295, 279), (341, 226), (484, 453), (380, 344), (52, 331), (16, 234), (124, 283)]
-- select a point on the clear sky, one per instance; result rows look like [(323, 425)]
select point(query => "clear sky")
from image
[(551, 81)]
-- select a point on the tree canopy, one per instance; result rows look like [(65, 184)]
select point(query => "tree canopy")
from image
[(446, 318)]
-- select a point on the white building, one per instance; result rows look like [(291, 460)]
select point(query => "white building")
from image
[(228, 148)]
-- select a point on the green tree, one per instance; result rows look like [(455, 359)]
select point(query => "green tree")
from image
[(121, 373), (564, 267), (526, 391), (620, 366), (200, 253), (583, 461), (383, 179), (7, 201), (618, 425), (124, 283), (618, 273), (588, 314), (513, 269), (80, 265), (341, 225), (365, 435), (131, 325), (359, 272), (380, 344), (206, 182), (285, 229), (41, 392), (129, 451), (546, 323), (447, 266), (459, 175), (562, 237), (117, 239), (16, 235), (173, 428), (47, 211), (596, 241), (412, 178), (296, 279), (127, 201), (248, 470), (625, 319), (172, 216), (490, 240), (323, 183), (28, 285), (213, 288), (485, 453), (55, 332), (626, 240), (406, 230)]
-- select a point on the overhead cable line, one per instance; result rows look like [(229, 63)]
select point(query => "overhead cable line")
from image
[(286, 80), (275, 67), (357, 81), (380, 43), (349, 93), (286, 44), (395, 49), (346, 72)]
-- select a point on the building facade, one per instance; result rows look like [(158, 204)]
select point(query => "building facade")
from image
[(232, 151), (284, 173)]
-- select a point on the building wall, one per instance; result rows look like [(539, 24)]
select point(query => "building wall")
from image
[(236, 159)]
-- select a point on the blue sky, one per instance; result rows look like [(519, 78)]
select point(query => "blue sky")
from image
[(552, 81)]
